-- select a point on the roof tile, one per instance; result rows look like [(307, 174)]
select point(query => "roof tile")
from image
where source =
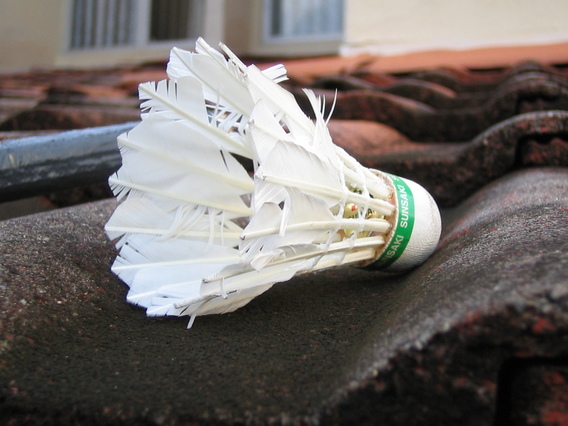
[(466, 338)]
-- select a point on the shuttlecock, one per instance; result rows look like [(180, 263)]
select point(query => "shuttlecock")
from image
[(198, 235)]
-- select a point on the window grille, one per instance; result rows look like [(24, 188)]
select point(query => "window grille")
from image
[(97, 24), (102, 23), (304, 19)]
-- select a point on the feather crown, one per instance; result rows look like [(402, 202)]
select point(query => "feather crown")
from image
[(198, 235)]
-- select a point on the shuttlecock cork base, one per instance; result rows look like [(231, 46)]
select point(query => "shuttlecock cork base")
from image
[(198, 235), (415, 230)]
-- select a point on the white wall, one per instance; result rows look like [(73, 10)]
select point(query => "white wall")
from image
[(401, 26), (30, 32), (35, 34)]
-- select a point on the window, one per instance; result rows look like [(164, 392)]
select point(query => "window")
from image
[(102, 23), (98, 24), (303, 19), (175, 19)]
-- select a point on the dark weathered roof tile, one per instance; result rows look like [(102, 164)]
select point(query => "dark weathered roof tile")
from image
[(476, 335), (452, 171), (434, 346)]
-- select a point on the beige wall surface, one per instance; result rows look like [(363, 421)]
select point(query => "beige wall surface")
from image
[(31, 32), (35, 34), (141, 51), (400, 26)]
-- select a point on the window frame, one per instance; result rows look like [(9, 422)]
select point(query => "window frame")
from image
[(267, 19), (140, 33)]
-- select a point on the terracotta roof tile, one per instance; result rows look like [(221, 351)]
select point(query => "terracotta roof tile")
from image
[(476, 335)]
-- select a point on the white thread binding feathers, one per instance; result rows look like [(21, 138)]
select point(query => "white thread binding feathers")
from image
[(198, 235)]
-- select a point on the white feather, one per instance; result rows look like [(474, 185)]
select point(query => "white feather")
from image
[(302, 219), (147, 263), (184, 100), (279, 101), (142, 216), (182, 192), (291, 164), (190, 243)]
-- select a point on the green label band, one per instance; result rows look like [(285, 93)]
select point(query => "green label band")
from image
[(404, 224)]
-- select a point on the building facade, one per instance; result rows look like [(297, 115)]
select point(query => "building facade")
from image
[(99, 33), (92, 33)]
